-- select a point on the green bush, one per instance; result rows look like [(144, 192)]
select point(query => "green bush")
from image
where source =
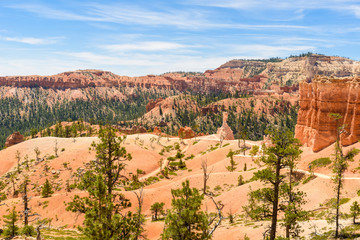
[(28, 231), (320, 162)]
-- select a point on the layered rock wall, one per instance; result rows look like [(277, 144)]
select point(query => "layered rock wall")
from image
[(315, 127)]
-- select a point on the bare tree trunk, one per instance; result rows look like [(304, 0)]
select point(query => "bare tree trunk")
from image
[(38, 233)]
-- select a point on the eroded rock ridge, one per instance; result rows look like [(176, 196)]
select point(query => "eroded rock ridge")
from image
[(316, 127)]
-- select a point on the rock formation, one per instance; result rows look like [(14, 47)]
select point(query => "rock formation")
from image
[(225, 132), (186, 132), (235, 75), (315, 128), (152, 104), (157, 131), (13, 139)]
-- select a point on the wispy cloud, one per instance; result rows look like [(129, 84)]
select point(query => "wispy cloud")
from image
[(356, 10), (31, 40), (124, 14), (347, 6), (278, 4), (145, 46), (100, 59), (51, 13)]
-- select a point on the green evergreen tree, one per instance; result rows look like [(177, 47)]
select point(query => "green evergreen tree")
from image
[(233, 164), (157, 209), (340, 165), (11, 230), (293, 200), (103, 207), (277, 156), (355, 211), (47, 189), (185, 221)]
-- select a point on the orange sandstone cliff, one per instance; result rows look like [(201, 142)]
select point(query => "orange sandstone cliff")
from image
[(315, 127)]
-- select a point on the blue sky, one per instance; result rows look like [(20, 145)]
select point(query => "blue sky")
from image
[(141, 37)]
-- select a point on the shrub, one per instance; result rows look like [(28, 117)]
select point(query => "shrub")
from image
[(320, 162), (28, 231)]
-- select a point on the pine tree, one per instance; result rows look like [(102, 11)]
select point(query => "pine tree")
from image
[(157, 209), (233, 164), (340, 165), (254, 150), (355, 211), (46, 189), (186, 221), (17, 156), (291, 206), (284, 149), (11, 230), (103, 207)]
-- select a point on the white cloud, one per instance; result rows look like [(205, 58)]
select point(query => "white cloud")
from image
[(278, 4), (356, 10), (122, 14), (347, 6), (51, 13), (103, 60), (145, 46), (31, 40)]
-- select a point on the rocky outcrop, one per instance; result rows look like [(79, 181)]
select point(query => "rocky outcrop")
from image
[(225, 132), (13, 139), (186, 132), (157, 131), (135, 129), (152, 104), (315, 127)]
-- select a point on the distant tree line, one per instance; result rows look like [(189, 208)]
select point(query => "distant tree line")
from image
[(32, 116)]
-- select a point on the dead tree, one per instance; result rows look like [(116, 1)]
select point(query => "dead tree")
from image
[(206, 174), (218, 205), (140, 219)]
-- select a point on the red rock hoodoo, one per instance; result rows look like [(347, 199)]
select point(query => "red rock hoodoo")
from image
[(13, 139), (315, 128), (225, 132)]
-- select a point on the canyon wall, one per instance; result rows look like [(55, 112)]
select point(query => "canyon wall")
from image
[(315, 127), (257, 76), (97, 78)]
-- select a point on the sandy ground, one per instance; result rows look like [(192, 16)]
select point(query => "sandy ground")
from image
[(145, 149)]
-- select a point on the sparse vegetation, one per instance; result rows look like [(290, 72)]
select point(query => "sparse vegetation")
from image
[(320, 162)]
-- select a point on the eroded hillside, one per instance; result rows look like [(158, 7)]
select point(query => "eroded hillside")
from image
[(63, 168)]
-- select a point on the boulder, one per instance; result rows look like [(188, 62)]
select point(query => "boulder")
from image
[(186, 132), (13, 139)]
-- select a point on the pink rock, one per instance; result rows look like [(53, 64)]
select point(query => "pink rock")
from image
[(225, 132)]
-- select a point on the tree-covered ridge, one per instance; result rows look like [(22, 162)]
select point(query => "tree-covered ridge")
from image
[(36, 108), (249, 116)]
